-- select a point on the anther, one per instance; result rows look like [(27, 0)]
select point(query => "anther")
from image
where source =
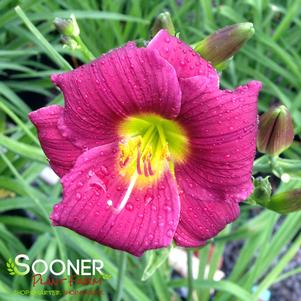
[(149, 165), (124, 163), (145, 168), (138, 161)]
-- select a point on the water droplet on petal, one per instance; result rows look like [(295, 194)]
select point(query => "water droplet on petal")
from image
[(78, 195), (104, 170), (167, 208), (99, 184), (161, 187), (169, 233), (80, 184), (154, 207), (148, 199), (129, 206)]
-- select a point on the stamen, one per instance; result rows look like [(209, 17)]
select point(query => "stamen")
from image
[(165, 152), (145, 149), (160, 140), (124, 163), (145, 168), (138, 161), (149, 166)]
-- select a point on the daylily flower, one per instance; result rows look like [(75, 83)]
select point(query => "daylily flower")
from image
[(149, 148)]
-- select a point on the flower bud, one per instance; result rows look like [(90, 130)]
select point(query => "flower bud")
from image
[(286, 202), (276, 131), (163, 21), (69, 42), (67, 27), (224, 43), (262, 191)]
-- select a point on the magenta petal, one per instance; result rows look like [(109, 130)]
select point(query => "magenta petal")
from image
[(202, 217), (217, 174), (92, 191), (122, 82), (60, 152), (182, 57), (222, 129)]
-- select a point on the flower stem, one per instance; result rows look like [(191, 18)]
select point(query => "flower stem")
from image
[(266, 164), (189, 274), (84, 49), (121, 273)]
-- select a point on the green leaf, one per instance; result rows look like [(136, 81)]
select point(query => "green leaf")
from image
[(23, 149), (86, 14), (222, 285), (42, 42)]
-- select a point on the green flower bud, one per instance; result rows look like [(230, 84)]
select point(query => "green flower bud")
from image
[(223, 65), (163, 21), (286, 202), (224, 43), (262, 191), (69, 42), (67, 27), (276, 131)]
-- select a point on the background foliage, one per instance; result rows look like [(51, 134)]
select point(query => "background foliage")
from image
[(30, 52)]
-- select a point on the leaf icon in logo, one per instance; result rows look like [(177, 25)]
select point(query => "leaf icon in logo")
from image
[(12, 270)]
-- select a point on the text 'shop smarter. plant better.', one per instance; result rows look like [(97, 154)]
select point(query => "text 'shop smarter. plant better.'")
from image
[(149, 148)]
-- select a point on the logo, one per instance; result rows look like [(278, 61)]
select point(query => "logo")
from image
[(78, 273), (22, 265), (11, 268)]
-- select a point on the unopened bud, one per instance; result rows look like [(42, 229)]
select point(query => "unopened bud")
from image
[(262, 191), (67, 27), (69, 42), (163, 21), (286, 202), (224, 43), (276, 131)]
